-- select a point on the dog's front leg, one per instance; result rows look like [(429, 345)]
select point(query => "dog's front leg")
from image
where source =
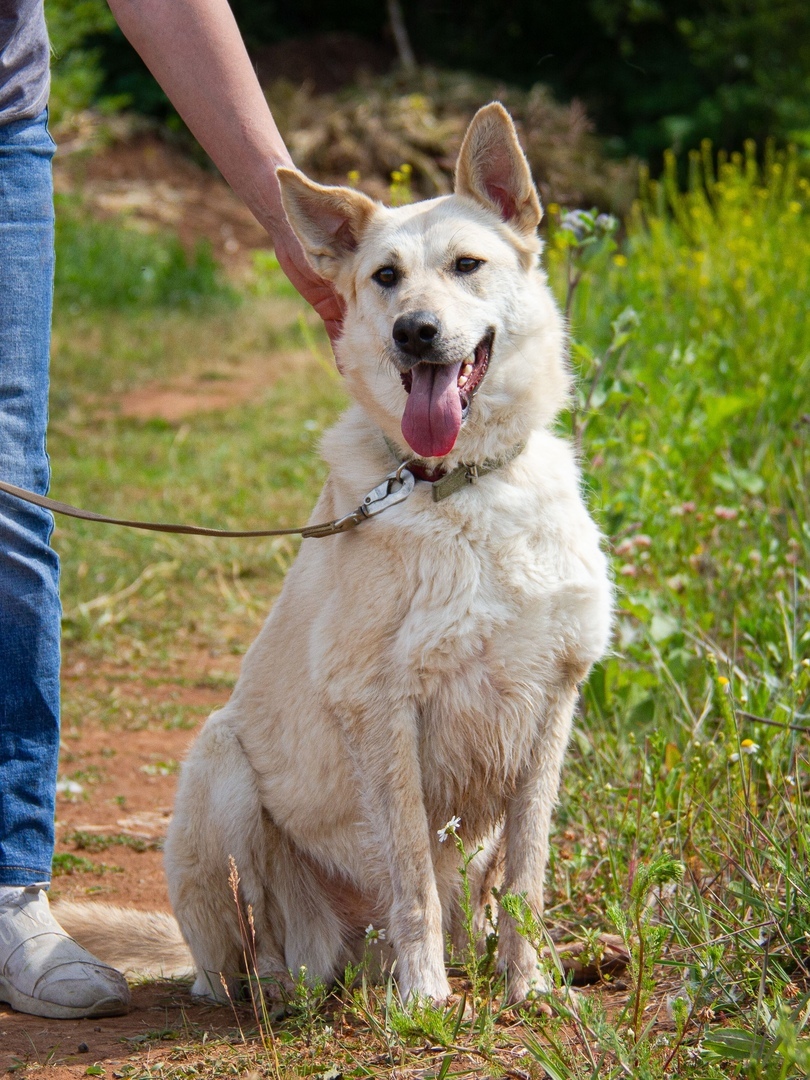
[(526, 832), (387, 755)]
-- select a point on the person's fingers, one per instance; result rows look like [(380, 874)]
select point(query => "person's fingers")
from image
[(315, 290)]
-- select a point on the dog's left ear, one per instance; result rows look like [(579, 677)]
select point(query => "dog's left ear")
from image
[(328, 221), (492, 169)]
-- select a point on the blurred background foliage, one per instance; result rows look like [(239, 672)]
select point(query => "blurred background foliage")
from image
[(77, 66), (652, 74)]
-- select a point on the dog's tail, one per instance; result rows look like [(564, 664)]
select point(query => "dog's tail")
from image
[(134, 942)]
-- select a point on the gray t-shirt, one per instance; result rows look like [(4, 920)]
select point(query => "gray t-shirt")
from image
[(24, 60)]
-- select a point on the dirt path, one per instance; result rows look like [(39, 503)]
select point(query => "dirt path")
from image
[(110, 830), (118, 786), (162, 1022)]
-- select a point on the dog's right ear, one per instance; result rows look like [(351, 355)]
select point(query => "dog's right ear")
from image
[(328, 221)]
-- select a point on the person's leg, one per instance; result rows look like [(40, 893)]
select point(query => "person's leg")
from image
[(29, 570), (42, 970)]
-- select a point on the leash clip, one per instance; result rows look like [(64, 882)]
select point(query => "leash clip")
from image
[(395, 488)]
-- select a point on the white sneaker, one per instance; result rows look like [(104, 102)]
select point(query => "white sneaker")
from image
[(44, 972)]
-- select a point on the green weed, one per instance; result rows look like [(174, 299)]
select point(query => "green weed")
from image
[(87, 841), (65, 862), (694, 362)]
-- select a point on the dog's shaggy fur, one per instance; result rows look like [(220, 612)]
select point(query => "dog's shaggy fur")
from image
[(426, 664)]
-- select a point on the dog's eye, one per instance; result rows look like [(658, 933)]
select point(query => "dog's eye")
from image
[(386, 276), (467, 265)]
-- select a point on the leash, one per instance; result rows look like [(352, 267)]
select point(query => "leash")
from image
[(395, 488)]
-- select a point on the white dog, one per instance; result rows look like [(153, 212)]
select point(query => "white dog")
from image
[(424, 665)]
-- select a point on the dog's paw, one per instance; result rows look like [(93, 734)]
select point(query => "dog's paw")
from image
[(537, 996), (212, 987), (526, 986), (434, 991), (421, 975), (271, 992), (455, 1002), (438, 997), (525, 977)]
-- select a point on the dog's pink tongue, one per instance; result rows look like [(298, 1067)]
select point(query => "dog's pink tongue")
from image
[(432, 416)]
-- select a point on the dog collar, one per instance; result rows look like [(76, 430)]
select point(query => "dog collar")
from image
[(447, 483)]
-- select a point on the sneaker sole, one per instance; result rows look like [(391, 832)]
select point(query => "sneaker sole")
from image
[(111, 1006)]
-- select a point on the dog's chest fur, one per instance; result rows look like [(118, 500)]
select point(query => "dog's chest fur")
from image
[(469, 616), (456, 625)]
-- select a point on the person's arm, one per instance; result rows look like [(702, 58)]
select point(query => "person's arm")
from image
[(195, 51)]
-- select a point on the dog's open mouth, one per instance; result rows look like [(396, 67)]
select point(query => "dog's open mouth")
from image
[(439, 397)]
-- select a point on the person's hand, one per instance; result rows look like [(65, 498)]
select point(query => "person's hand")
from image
[(314, 289), (195, 51)]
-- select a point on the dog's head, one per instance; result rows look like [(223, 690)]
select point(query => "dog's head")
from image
[(451, 339)]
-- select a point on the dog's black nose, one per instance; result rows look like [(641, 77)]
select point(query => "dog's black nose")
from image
[(416, 333)]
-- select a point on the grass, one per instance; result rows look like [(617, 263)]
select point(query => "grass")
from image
[(66, 863), (683, 823), (696, 456), (87, 841), (108, 264)]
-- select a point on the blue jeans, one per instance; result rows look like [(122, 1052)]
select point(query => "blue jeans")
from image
[(29, 569)]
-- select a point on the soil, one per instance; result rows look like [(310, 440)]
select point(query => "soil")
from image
[(162, 1017), (189, 394), (121, 816), (128, 780)]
